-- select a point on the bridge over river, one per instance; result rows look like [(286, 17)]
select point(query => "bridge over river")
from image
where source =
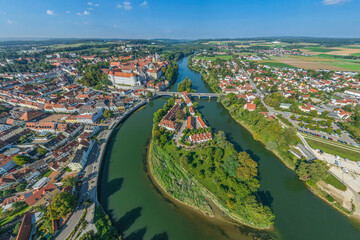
[(199, 95)]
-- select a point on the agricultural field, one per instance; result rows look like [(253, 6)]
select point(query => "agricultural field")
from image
[(339, 51), (58, 46), (226, 57), (319, 49), (275, 64), (320, 62)]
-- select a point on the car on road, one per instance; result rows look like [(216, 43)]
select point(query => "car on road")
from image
[(345, 170), (337, 163)]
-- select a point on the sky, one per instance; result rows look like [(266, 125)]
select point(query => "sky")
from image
[(184, 19)]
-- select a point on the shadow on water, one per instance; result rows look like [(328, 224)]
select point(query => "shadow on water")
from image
[(115, 185), (126, 221), (266, 198), (137, 234), (160, 236)]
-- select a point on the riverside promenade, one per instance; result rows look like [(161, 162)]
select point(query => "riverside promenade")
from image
[(90, 181)]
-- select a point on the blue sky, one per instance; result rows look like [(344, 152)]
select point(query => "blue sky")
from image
[(185, 19)]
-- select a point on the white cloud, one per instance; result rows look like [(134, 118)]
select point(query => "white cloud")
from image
[(93, 4), (85, 13), (334, 2), (144, 4), (2, 13), (126, 5), (10, 22), (67, 12), (50, 12)]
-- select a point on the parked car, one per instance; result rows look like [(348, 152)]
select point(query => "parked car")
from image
[(345, 170), (337, 163)]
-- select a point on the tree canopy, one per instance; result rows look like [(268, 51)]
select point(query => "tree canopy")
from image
[(185, 85), (21, 160), (69, 181), (61, 205), (108, 113)]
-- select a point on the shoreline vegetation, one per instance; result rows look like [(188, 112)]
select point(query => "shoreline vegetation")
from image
[(317, 187), (212, 172)]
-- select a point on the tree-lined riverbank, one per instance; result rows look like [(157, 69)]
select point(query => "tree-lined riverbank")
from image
[(137, 208)]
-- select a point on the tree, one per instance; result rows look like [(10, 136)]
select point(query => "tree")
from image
[(329, 130), (21, 187), (248, 167), (179, 115), (21, 160), (311, 172), (41, 150), (61, 205), (314, 113), (90, 236), (149, 94), (185, 85), (108, 113), (69, 181), (195, 104)]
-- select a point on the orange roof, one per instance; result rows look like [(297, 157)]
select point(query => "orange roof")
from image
[(25, 227)]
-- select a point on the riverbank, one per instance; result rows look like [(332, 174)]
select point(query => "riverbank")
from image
[(318, 190), (217, 210), (213, 170), (321, 189)]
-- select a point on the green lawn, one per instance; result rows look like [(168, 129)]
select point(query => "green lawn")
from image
[(47, 173), (226, 57), (319, 49), (344, 153), (330, 179), (19, 212), (277, 64), (356, 54)]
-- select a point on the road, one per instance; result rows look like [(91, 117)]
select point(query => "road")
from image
[(87, 191), (344, 137), (90, 173)]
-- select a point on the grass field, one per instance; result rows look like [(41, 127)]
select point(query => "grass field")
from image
[(344, 153), (330, 179), (277, 64), (226, 57), (319, 49), (320, 62), (58, 46)]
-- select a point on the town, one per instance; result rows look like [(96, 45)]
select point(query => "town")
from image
[(54, 127), (320, 104), (59, 110)]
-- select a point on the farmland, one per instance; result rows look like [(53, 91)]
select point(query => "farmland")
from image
[(226, 57), (276, 64), (319, 49), (320, 62)]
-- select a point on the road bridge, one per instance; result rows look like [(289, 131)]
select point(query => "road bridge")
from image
[(199, 95)]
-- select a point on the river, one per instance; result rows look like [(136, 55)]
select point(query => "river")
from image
[(140, 211)]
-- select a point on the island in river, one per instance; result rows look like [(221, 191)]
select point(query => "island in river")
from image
[(200, 170), (136, 207)]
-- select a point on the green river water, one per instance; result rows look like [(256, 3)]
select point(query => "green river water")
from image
[(140, 211)]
